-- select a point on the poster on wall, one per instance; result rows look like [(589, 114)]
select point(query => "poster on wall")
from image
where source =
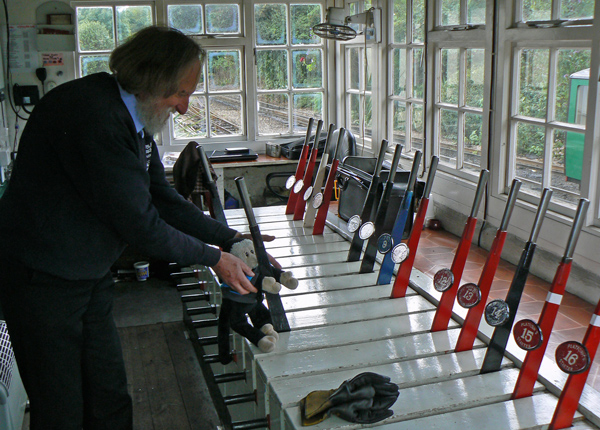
[(22, 55), (52, 59)]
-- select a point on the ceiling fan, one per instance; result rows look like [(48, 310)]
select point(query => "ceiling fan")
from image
[(336, 26)]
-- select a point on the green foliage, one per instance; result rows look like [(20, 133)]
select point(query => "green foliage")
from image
[(95, 29), (307, 69), (272, 69), (224, 70), (186, 18), (131, 19), (271, 24), (304, 18), (94, 64), (399, 21), (222, 18), (93, 36)]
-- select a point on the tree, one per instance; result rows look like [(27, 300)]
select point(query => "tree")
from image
[(94, 36)]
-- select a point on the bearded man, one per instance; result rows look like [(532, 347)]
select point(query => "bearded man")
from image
[(88, 181)]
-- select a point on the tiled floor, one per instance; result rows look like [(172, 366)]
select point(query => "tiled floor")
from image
[(436, 251)]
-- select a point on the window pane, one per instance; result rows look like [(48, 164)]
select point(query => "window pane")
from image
[(224, 70), (305, 107), (564, 189), (417, 127), (307, 70), (131, 19), (533, 83), (530, 157), (570, 62), (537, 10), (474, 83), (418, 21), (368, 116), (272, 69), (222, 18), (186, 18), (450, 12), (193, 123), (475, 11), (449, 78), (473, 137), (273, 114), (93, 64), (369, 71), (271, 24), (95, 29), (354, 67), (574, 155), (418, 73), (399, 21), (448, 140), (225, 115), (580, 103), (354, 109), (304, 17), (576, 9), (399, 72), (399, 122)]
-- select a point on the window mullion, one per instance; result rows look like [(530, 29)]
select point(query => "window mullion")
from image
[(552, 77), (547, 171), (463, 12), (460, 156), (555, 9)]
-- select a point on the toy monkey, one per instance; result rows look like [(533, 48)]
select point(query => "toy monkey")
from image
[(236, 308)]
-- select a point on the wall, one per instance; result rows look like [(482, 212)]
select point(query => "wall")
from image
[(23, 12), (452, 200)]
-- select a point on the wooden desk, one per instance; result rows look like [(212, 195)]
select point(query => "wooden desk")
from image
[(254, 171)]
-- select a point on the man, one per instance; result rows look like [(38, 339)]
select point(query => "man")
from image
[(87, 182)]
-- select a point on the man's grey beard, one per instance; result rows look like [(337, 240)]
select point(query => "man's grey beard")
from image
[(152, 118)]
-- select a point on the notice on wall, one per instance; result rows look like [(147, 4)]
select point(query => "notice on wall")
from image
[(52, 59), (22, 54)]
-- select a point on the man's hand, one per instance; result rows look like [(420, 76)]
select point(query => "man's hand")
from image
[(233, 271), (265, 237)]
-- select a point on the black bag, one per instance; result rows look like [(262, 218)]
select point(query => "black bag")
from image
[(292, 150), (354, 180)]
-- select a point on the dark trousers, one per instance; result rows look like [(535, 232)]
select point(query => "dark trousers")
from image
[(67, 349)]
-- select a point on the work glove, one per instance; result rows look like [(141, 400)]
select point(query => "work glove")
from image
[(364, 399)]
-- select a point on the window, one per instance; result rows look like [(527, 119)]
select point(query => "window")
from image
[(407, 78), (550, 10), (459, 107), (548, 119), (289, 67), (221, 19), (463, 12), (100, 29), (359, 92), (217, 109)]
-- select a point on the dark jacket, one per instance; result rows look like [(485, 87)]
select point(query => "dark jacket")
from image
[(82, 188)]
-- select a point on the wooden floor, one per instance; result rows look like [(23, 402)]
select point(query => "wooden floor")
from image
[(164, 377)]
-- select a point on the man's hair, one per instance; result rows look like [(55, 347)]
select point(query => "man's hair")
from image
[(154, 60)]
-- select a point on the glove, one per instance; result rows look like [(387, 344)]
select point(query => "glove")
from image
[(364, 399)]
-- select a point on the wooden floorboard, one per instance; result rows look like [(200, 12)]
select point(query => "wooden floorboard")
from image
[(136, 380), (194, 392)]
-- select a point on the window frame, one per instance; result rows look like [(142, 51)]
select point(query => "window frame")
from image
[(289, 47), (409, 100), (554, 39), (113, 4)]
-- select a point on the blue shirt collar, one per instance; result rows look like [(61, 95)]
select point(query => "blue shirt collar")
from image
[(131, 103)]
